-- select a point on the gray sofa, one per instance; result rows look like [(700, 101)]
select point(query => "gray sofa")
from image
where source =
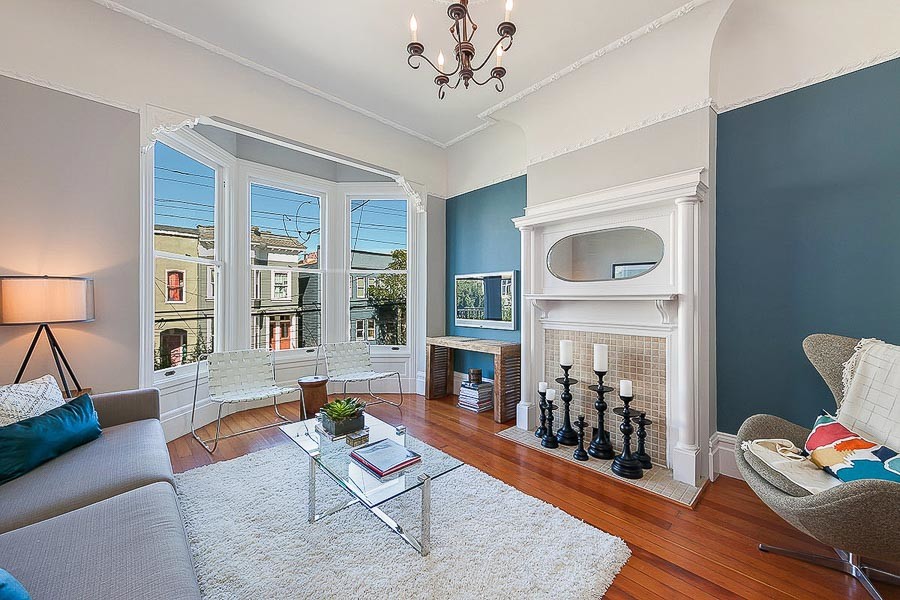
[(101, 521)]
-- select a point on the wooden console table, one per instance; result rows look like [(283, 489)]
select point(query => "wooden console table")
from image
[(507, 370)]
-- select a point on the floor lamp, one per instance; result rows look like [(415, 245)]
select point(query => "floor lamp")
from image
[(30, 300)]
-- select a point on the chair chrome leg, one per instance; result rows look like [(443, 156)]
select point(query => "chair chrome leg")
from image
[(218, 437), (380, 400), (847, 562)]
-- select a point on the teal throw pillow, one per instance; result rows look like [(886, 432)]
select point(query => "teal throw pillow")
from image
[(10, 588), (29, 443)]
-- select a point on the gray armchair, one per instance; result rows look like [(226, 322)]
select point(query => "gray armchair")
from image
[(858, 518)]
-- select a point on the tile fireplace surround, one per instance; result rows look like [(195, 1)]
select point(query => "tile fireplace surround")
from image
[(638, 358)]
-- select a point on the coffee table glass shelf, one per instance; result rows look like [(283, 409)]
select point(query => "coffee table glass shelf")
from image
[(363, 486)]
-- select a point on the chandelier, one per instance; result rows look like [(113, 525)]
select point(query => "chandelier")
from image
[(462, 31)]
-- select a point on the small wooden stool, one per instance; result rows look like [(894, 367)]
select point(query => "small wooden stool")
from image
[(313, 393)]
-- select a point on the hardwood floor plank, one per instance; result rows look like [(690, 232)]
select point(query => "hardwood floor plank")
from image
[(702, 554)]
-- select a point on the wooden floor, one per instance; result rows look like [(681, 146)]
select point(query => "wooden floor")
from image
[(705, 553)]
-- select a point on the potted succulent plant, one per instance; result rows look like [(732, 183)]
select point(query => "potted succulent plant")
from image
[(340, 417)]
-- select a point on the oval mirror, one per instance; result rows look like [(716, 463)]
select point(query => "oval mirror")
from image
[(605, 255)]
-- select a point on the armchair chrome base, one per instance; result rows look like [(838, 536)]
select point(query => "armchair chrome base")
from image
[(215, 440), (847, 562)]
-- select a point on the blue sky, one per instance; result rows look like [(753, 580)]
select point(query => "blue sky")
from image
[(185, 197)]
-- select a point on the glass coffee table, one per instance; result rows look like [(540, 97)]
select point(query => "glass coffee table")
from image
[(363, 486)]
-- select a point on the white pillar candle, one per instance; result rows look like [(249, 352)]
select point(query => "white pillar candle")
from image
[(551, 394), (542, 386), (625, 388), (566, 353), (601, 357)]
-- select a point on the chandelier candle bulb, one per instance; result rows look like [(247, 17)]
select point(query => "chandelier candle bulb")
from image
[(625, 388), (542, 386), (441, 59), (413, 28), (566, 353), (499, 56), (601, 358), (509, 7)]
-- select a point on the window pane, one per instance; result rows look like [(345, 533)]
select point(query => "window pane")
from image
[(183, 204), (183, 320), (286, 310), (285, 227), (378, 234), (385, 306)]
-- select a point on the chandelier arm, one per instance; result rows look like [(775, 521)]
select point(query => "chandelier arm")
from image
[(433, 66), (491, 53), (500, 85)]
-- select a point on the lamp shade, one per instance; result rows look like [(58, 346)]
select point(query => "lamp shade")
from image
[(26, 300)]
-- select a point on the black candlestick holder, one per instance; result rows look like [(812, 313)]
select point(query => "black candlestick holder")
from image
[(540, 431), (549, 439), (566, 434), (600, 446), (644, 458), (580, 453), (626, 464)]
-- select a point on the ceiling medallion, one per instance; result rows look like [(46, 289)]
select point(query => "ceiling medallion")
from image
[(463, 30)]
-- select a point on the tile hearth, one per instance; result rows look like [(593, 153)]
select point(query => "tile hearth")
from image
[(657, 480)]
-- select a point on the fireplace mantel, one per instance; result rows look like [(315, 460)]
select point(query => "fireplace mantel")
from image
[(667, 301)]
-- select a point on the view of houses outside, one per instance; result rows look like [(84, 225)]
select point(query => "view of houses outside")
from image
[(285, 284)]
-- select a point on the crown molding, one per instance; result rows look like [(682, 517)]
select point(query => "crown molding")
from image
[(843, 70), (59, 87), (183, 35), (611, 47)]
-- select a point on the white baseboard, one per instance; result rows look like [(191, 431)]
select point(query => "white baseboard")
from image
[(721, 456), (420, 383)]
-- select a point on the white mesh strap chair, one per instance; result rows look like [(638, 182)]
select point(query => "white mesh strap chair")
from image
[(239, 376), (350, 362)]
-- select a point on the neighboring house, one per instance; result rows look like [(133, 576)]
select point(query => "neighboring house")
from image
[(377, 300)]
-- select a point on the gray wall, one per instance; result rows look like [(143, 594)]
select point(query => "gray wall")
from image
[(70, 205)]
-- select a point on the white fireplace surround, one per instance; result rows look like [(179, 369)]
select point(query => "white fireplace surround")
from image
[(670, 301)]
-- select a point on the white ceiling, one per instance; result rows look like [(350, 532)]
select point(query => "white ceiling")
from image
[(355, 50)]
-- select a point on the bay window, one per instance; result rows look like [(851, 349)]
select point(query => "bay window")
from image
[(239, 254)]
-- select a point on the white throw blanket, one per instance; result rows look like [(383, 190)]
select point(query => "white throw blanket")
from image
[(785, 458), (871, 406)]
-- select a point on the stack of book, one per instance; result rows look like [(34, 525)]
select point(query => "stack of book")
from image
[(385, 457), (476, 397)]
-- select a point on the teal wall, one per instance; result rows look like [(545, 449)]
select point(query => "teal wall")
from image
[(480, 239), (808, 237)]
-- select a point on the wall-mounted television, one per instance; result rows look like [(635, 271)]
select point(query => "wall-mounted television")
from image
[(486, 300)]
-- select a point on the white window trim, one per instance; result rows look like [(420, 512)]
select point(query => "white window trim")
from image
[(388, 193), (205, 152), (256, 294), (183, 286), (250, 173)]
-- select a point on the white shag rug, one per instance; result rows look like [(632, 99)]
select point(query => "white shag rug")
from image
[(246, 522)]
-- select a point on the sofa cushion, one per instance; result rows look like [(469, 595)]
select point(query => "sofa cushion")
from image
[(129, 546), (125, 457), (31, 442)]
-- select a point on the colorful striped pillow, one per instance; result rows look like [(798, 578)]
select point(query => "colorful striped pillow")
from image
[(847, 456)]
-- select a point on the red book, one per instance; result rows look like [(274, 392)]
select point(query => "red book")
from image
[(385, 457)]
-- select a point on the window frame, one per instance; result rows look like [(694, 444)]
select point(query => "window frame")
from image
[(349, 197), (251, 173), (211, 156), (210, 282)]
